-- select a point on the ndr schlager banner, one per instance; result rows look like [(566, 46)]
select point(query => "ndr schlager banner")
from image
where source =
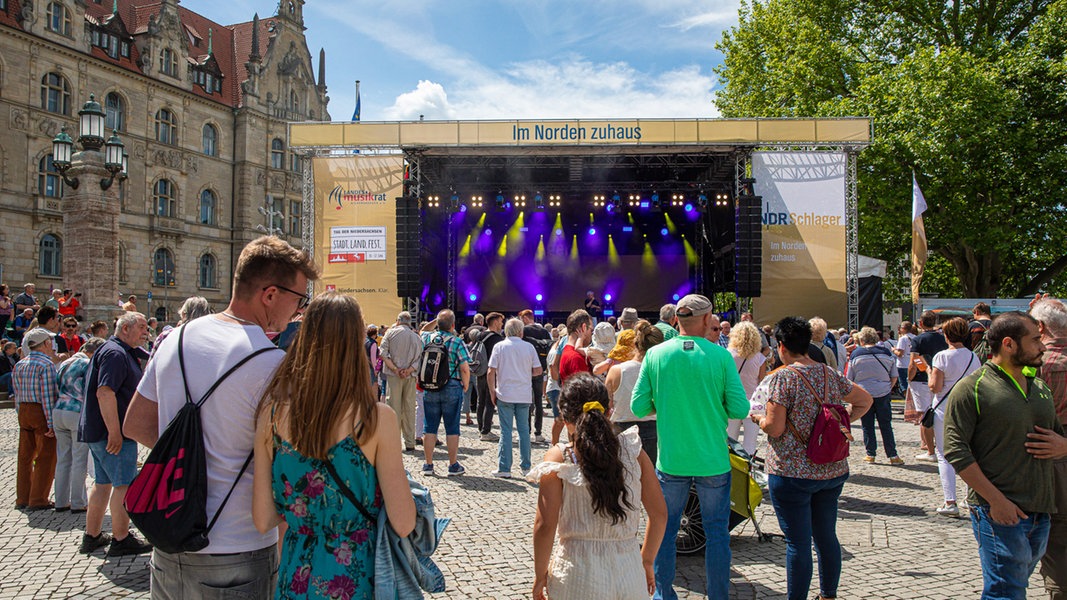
[(803, 235), (355, 230)]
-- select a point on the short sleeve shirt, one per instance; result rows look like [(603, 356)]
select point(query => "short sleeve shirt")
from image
[(457, 350), (927, 343), (570, 362), (787, 456), (114, 365)]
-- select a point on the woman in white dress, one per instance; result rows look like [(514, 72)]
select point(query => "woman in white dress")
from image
[(589, 493), (745, 344)]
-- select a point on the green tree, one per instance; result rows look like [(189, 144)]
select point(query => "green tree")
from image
[(968, 95)]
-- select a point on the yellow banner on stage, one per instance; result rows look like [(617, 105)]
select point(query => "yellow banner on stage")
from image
[(355, 230), (803, 241)]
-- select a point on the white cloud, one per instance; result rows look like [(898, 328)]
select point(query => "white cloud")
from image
[(574, 89), (715, 19)]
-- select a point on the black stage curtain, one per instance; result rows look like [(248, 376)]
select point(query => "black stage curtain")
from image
[(870, 308)]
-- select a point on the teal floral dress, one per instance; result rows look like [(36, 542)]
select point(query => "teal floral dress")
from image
[(328, 550)]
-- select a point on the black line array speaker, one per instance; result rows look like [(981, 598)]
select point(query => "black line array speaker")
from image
[(408, 248), (748, 255)]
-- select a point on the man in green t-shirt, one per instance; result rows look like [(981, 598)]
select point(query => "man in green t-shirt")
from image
[(1002, 436), (693, 387)]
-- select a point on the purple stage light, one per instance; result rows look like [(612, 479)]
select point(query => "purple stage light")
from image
[(664, 231), (677, 297), (473, 297), (462, 208), (688, 207), (487, 231), (592, 231), (607, 297), (539, 297)]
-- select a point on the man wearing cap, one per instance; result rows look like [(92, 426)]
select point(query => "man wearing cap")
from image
[(33, 384), (400, 350), (693, 387)]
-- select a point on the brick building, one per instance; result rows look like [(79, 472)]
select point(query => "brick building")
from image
[(202, 109)]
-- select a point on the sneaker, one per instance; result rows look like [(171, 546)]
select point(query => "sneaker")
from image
[(455, 469), (896, 460), (91, 544), (926, 457), (868, 459), (418, 441), (427, 468), (128, 546), (502, 474), (489, 437), (949, 510), (539, 439)]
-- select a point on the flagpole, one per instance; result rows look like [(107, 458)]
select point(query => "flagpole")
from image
[(919, 249), (355, 113)]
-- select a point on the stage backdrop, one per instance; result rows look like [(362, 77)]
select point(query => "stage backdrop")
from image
[(355, 230), (803, 235)]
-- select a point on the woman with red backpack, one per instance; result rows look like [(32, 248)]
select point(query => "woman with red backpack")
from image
[(807, 428)]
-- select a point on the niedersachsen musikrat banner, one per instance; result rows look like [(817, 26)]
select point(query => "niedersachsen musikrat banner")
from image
[(803, 235), (355, 230)]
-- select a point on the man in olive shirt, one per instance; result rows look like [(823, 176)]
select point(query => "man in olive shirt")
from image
[(1002, 435)]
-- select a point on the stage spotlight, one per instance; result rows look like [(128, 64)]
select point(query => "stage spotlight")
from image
[(677, 199), (539, 201), (473, 297), (499, 201), (476, 202), (539, 297), (463, 208), (453, 202), (676, 297), (607, 297), (688, 207), (592, 231), (487, 231), (433, 201), (553, 200), (702, 201), (656, 204), (616, 201), (663, 231)]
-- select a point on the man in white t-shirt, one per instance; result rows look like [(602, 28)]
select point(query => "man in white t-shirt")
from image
[(512, 367), (239, 559), (903, 354)]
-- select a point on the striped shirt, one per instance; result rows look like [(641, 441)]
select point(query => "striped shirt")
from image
[(34, 380), (71, 379)]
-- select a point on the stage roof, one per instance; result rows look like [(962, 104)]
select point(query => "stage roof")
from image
[(578, 133)]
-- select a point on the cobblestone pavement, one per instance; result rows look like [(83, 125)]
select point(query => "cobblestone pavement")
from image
[(894, 545)]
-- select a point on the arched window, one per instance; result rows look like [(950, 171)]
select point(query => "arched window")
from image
[(210, 140), (58, 19), (294, 101), (166, 127), (51, 251), (49, 183), (207, 207), (168, 62), (166, 198), (115, 109), (207, 271), (163, 263), (55, 94), (277, 154)]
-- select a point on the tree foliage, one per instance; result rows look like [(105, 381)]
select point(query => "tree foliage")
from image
[(971, 96)]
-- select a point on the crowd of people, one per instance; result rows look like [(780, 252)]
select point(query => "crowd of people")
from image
[(642, 414)]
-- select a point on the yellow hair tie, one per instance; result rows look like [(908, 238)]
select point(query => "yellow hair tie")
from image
[(588, 406)]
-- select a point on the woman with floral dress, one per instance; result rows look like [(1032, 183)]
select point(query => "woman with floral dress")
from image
[(346, 445)]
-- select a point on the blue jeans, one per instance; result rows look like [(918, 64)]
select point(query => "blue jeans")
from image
[(5, 381), (444, 404), (251, 574), (519, 414), (714, 494), (1008, 553), (882, 411), (807, 511), (902, 380)]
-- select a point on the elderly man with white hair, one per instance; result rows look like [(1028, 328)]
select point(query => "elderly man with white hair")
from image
[(512, 367)]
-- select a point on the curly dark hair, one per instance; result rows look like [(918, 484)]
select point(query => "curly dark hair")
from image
[(596, 445)]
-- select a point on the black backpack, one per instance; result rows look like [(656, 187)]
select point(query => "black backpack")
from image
[(167, 500), (479, 357), (434, 371)]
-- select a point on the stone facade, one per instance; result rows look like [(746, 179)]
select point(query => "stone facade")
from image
[(203, 110)]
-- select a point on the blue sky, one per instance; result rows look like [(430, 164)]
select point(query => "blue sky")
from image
[(481, 59)]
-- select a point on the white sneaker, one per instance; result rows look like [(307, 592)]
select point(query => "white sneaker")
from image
[(949, 510), (502, 474), (539, 439), (926, 457)]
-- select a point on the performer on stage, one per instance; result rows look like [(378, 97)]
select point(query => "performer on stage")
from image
[(592, 306)]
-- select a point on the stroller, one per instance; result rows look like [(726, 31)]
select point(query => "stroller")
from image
[(747, 489)]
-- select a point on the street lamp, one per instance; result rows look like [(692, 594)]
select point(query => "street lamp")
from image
[(267, 210), (91, 137)]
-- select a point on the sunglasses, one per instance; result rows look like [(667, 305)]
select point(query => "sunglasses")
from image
[(304, 298), (716, 328), (70, 327)]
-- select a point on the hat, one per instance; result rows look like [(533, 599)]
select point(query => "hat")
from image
[(625, 346), (629, 315), (404, 317), (37, 336), (693, 305)]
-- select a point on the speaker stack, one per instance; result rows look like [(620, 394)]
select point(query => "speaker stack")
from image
[(748, 255), (408, 247)]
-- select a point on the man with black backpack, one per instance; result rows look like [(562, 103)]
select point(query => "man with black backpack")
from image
[(444, 373), (270, 283)]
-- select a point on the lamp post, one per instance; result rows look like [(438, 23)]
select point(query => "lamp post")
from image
[(91, 212), (269, 214)]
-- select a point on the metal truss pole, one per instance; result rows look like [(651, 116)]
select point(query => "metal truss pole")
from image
[(852, 244), (453, 258)]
